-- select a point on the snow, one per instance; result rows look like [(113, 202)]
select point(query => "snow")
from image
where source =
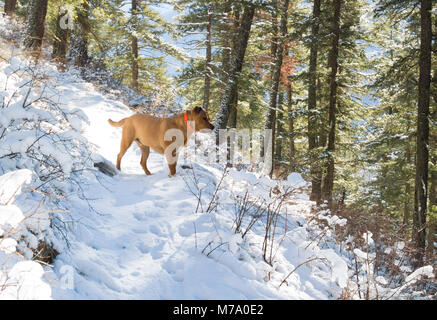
[(296, 180), (20, 279), (426, 271), (134, 236), (13, 180), (24, 281)]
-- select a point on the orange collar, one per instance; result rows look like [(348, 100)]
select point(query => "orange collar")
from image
[(186, 120)]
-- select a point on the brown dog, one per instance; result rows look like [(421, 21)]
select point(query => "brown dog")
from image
[(163, 135)]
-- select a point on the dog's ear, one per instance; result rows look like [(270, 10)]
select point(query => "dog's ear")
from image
[(197, 109)]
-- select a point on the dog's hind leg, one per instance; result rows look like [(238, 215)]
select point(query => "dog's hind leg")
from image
[(126, 141), (145, 151)]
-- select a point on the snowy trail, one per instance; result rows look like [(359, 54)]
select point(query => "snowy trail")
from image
[(134, 236), (141, 245), (124, 247), (144, 241)]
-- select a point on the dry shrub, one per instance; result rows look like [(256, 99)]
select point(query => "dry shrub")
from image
[(390, 254), (44, 253)]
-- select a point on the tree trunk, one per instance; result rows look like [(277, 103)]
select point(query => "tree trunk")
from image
[(328, 182), (291, 128), (312, 104), (432, 211), (60, 41), (35, 25), (271, 114), (422, 152), (280, 128), (134, 47), (229, 46), (226, 43), (406, 217), (432, 219), (235, 69), (79, 38), (322, 137), (206, 92), (10, 7), (232, 121), (276, 74)]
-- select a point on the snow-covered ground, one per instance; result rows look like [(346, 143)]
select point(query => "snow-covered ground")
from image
[(145, 241), (134, 236)]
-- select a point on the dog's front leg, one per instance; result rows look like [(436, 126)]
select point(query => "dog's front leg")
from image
[(173, 140), (171, 158), (172, 168)]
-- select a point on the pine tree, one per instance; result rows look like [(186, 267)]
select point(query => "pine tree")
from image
[(280, 130), (235, 67), (277, 52), (10, 7), (232, 122), (134, 45), (208, 71), (316, 183), (390, 148), (78, 50), (422, 136), (130, 44), (35, 25), (328, 182), (291, 133), (60, 39)]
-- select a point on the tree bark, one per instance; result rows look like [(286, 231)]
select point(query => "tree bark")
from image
[(79, 38), (322, 137), (229, 46), (207, 89), (35, 25), (235, 69), (432, 210), (60, 41), (226, 43), (291, 128), (232, 121), (271, 112), (134, 46), (406, 217), (10, 7), (422, 136), (328, 182), (316, 183), (432, 219), (280, 127)]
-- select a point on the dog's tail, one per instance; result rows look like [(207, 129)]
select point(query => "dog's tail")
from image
[(116, 124)]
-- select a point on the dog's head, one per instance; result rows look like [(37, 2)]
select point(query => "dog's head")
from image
[(201, 119)]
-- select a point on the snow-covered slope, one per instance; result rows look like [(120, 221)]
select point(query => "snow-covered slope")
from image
[(133, 236), (145, 240), (147, 237)]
